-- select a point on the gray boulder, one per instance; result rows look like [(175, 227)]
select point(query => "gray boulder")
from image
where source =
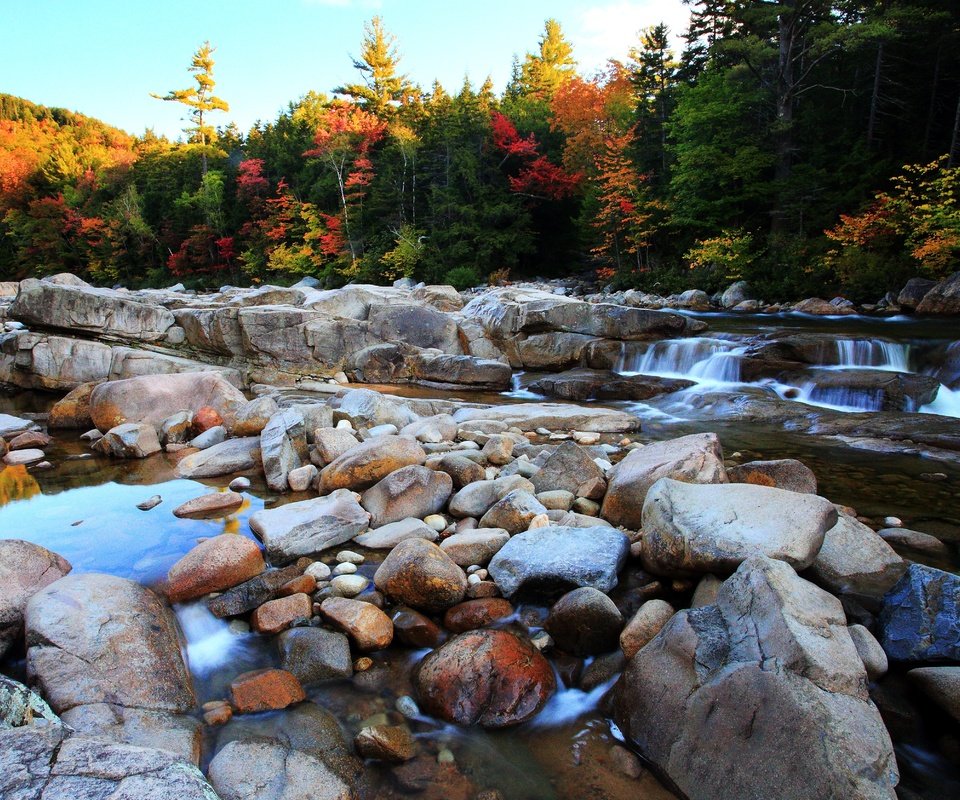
[(412, 491), (233, 455), (130, 440), (25, 569), (283, 447), (920, 617), (314, 654), (567, 468)]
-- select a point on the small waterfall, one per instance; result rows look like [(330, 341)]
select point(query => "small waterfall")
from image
[(701, 359), (210, 642), (875, 354), (838, 398), (946, 403)]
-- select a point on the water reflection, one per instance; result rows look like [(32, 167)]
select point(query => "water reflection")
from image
[(16, 483)]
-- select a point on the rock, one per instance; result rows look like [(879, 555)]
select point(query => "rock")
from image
[(278, 615), (389, 536), (10, 425), (331, 443), (314, 655), (309, 526), (371, 461), (240, 484), (649, 620), (283, 447), (691, 528), (856, 561), (386, 743), (694, 299), (915, 540), (462, 470), (345, 585), (596, 384), (475, 499), (870, 652), (177, 428), (213, 565), (769, 669), (697, 458), (418, 573), (819, 307), (264, 690), (412, 491), (252, 417), (889, 391), (486, 677), (209, 438), (567, 468), (474, 547), (940, 684), (25, 569), (210, 506), (29, 440), (105, 654), (920, 616), (233, 455), (205, 418), (19, 706), (366, 625), (472, 614), (944, 298), (498, 450), (414, 629), (555, 416), (73, 409), (21, 457), (585, 622), (557, 500), (151, 399), (368, 408), (150, 503), (560, 558), (302, 478), (706, 592), (784, 473), (513, 512), (735, 294), (434, 429), (254, 592), (913, 293), (130, 440)]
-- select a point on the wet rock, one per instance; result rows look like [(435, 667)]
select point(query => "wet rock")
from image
[(216, 564), (309, 526), (252, 417), (366, 625), (784, 473), (25, 569), (474, 547), (649, 620), (29, 440), (389, 536), (254, 592), (556, 557), (105, 654), (940, 684), (150, 503), (513, 513), (554, 416), (151, 399), (414, 629), (371, 461), (892, 391), (697, 458), (691, 528), (386, 743), (412, 491), (487, 677), (475, 499), (745, 680), (585, 622), (595, 384), (278, 615), (73, 409), (944, 298), (567, 469), (870, 652), (210, 506), (264, 690), (233, 455), (854, 560), (130, 440), (915, 540), (920, 617), (418, 573), (473, 614), (314, 655)]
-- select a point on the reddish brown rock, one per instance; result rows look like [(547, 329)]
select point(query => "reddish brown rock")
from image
[(277, 615), (419, 574), (371, 461), (473, 614), (29, 440), (73, 409), (364, 623), (206, 418), (208, 506), (476, 591), (306, 584), (386, 743), (487, 677), (414, 629), (265, 690), (214, 565)]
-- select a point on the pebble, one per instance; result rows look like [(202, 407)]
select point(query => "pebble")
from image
[(349, 585), (318, 571), (153, 502), (585, 438), (240, 484), (543, 431), (892, 522), (345, 425), (445, 756), (436, 521), (42, 465), (474, 579), (346, 568), (542, 640), (362, 664), (473, 568), (407, 706), (349, 557)]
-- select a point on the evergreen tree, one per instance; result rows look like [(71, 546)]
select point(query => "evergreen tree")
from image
[(383, 88)]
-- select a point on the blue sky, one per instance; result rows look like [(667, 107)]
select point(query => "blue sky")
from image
[(104, 57)]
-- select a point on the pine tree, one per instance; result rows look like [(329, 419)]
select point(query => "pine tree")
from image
[(383, 87), (541, 74)]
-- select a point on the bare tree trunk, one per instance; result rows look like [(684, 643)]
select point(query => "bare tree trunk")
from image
[(784, 89), (875, 98)]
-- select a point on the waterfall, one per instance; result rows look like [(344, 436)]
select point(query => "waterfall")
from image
[(875, 354), (703, 359)]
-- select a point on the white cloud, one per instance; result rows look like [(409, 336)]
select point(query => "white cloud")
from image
[(607, 31)]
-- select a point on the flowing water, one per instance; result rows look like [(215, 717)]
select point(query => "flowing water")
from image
[(85, 509)]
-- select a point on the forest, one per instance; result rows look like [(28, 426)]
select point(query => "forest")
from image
[(805, 146)]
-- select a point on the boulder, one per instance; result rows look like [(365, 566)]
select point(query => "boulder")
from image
[(283, 447), (694, 528), (177, 428), (944, 298), (10, 425), (256, 591), (210, 506), (369, 408), (870, 652), (819, 307), (371, 461), (25, 569), (877, 390), (152, 398), (73, 409), (279, 614), (912, 294), (130, 440), (697, 458), (594, 384), (486, 677), (314, 655), (265, 690), (309, 526), (475, 499), (389, 536), (784, 473), (412, 491), (513, 513), (366, 625), (768, 670), (476, 546), (735, 294), (940, 684), (920, 617), (477, 613), (252, 417), (331, 443), (560, 558), (567, 468), (213, 565), (585, 622), (554, 417), (233, 455), (694, 299), (418, 573), (461, 469), (433, 429), (105, 653), (644, 626)]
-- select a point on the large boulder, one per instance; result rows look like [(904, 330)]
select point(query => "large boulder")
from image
[(558, 558), (283, 447), (486, 677), (696, 528), (735, 294), (214, 565), (371, 461), (596, 384), (309, 526), (233, 455), (920, 617), (913, 292), (944, 298), (25, 569), (130, 440), (153, 398), (553, 416), (418, 573), (412, 491), (762, 691), (875, 390), (568, 468), (73, 409), (697, 458), (105, 653)]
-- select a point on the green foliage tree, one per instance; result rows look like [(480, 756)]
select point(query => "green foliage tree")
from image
[(383, 88)]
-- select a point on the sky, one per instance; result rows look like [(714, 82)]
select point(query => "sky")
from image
[(103, 58)]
